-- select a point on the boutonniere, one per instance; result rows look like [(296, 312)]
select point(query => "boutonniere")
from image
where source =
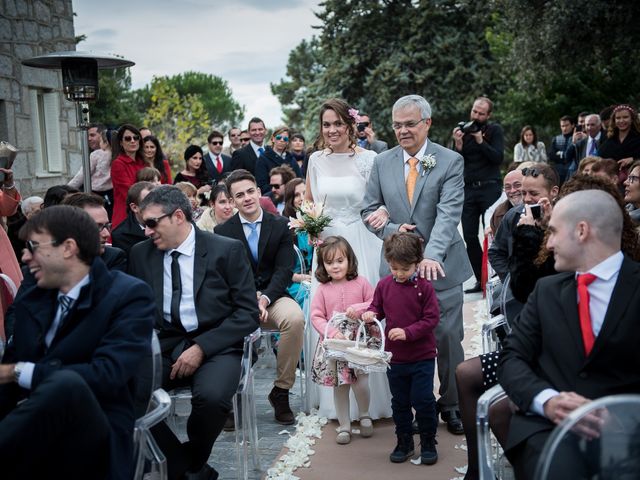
[(428, 162)]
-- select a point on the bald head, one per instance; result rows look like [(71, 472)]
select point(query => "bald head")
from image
[(512, 185)]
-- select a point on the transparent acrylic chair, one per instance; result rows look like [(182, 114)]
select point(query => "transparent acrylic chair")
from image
[(244, 411), (613, 455), (490, 455)]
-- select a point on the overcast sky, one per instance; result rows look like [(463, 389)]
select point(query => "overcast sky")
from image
[(246, 42)]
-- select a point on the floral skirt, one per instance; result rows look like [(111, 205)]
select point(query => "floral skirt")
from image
[(331, 372)]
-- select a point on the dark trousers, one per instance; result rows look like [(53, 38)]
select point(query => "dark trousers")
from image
[(476, 201), (411, 385), (59, 431), (212, 387)]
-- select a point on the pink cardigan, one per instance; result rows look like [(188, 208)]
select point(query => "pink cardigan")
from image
[(332, 298)]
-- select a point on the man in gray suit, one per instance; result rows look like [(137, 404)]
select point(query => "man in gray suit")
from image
[(418, 187)]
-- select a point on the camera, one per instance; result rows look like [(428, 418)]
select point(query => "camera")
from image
[(469, 127), (579, 128), (361, 127)]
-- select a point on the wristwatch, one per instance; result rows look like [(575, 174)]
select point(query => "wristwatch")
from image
[(17, 371)]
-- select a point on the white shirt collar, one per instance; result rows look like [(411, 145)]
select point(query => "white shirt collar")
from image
[(187, 247), (418, 155), (255, 147), (244, 220), (608, 267), (74, 293)]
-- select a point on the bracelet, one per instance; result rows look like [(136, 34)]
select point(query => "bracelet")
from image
[(10, 187)]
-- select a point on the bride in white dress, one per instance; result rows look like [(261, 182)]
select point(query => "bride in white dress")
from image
[(337, 176)]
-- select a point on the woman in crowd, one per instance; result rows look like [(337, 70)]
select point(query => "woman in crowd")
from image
[(194, 171), (192, 194), (585, 165), (275, 155), (529, 149), (128, 158), (220, 208), (299, 152), (100, 161), (155, 158), (632, 192), (606, 168), (337, 176), (623, 138), (294, 192)]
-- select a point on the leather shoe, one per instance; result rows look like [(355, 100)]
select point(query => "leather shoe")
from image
[(230, 423), (279, 400), (205, 473), (475, 289), (453, 421)]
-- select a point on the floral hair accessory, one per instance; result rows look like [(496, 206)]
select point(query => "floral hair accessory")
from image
[(355, 114), (626, 107), (428, 162)]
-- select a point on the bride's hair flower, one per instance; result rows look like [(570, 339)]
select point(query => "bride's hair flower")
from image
[(355, 114)]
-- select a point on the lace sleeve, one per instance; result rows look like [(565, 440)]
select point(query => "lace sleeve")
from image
[(364, 162)]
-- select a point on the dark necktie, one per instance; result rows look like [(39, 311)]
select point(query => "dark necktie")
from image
[(584, 280), (64, 305), (176, 289), (260, 151), (592, 148)]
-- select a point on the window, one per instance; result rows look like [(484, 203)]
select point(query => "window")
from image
[(45, 118)]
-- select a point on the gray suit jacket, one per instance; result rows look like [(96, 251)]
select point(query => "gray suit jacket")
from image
[(377, 146), (436, 211)]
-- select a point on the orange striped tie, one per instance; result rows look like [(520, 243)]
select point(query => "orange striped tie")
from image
[(412, 178)]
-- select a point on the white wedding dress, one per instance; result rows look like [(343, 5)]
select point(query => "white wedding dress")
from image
[(339, 181)]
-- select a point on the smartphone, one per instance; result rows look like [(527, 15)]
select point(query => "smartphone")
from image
[(536, 211), (579, 128)]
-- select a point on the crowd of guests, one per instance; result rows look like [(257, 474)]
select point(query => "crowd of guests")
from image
[(206, 256)]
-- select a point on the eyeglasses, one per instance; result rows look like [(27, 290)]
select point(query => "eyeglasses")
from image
[(508, 187), (234, 134), (153, 222), (131, 138), (282, 137), (275, 186), (633, 179), (245, 140), (216, 142), (401, 125), (530, 172), (32, 246), (102, 226)]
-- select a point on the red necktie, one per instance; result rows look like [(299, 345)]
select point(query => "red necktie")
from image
[(219, 164), (584, 280)]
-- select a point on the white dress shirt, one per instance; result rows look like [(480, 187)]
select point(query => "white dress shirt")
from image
[(26, 375), (186, 260), (600, 291), (590, 141), (255, 147)]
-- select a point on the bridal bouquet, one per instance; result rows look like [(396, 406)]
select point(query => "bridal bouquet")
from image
[(310, 219)]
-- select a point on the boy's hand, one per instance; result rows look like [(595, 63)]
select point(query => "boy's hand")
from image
[(368, 317), (352, 314), (397, 334)]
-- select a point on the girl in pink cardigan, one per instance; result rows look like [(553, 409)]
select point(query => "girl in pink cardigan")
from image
[(341, 290)]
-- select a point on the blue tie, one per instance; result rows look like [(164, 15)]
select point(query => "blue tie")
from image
[(260, 151), (252, 239)]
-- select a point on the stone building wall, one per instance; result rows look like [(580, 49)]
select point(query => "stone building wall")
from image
[(30, 28)]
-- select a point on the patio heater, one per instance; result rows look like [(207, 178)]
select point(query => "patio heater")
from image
[(80, 85)]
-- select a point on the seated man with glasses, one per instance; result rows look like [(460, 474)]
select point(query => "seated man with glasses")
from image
[(78, 335), (218, 164), (512, 187), (206, 304), (273, 156), (278, 178), (114, 258)]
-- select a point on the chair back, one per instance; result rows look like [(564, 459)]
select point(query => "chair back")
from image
[(600, 439), (488, 449), (303, 267)]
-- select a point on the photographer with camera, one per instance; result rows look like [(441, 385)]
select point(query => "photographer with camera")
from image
[(366, 135), (482, 146)]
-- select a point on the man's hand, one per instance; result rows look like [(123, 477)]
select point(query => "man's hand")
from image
[(352, 314), (457, 138), (559, 406), (397, 334), (477, 136), (6, 373), (367, 317), (378, 219), (187, 363), (371, 136), (406, 227), (526, 218), (263, 303), (577, 136), (430, 269)]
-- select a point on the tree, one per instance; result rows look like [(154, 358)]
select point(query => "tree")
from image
[(176, 120), (115, 104)]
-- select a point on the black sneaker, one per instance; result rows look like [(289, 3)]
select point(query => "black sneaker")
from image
[(404, 449), (428, 452)]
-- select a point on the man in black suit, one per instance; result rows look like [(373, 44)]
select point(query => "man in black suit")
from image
[(589, 143), (131, 229), (217, 163), (113, 257), (269, 252), (206, 305), (564, 352), (80, 332), (247, 156)]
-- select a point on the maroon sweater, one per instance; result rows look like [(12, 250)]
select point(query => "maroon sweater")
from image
[(412, 306)]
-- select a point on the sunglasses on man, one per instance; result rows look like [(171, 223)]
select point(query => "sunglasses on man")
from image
[(154, 221)]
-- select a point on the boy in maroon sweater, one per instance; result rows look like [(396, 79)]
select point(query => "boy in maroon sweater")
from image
[(409, 305)]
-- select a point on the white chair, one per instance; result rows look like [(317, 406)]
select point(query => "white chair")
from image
[(614, 454), (490, 456)]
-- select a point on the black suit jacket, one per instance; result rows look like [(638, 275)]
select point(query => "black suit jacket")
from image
[(577, 151), (545, 348), (244, 158), (104, 338), (225, 298), (114, 258), (276, 257), (128, 233), (212, 169)]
